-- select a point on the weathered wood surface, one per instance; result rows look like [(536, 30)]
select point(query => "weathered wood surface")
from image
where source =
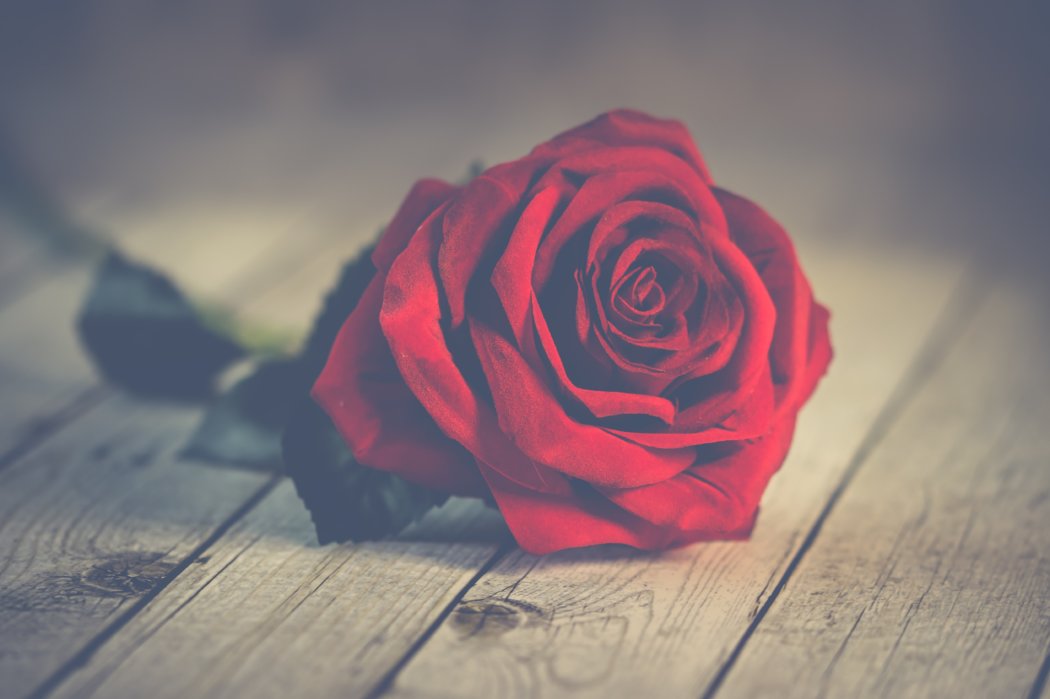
[(94, 520), (931, 576), (306, 621)]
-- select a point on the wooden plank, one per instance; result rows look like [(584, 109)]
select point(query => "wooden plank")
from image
[(931, 575), (610, 622), (284, 617), (92, 521)]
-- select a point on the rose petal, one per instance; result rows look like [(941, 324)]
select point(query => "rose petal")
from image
[(770, 250), (473, 224), (546, 522), (746, 417), (819, 357), (478, 225), (613, 177), (664, 221), (511, 282), (411, 321), (382, 422), (422, 200), (533, 418), (624, 127), (600, 403), (716, 498), (512, 275)]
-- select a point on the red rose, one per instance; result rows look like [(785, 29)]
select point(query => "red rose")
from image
[(596, 335)]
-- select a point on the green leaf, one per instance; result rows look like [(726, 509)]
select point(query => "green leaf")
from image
[(146, 337), (347, 501)]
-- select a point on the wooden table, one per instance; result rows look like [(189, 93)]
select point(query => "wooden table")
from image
[(903, 550), (900, 551)]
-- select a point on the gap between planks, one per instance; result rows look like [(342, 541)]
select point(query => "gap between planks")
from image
[(1040, 688)]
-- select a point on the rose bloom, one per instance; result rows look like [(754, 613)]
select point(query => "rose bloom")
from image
[(595, 337)]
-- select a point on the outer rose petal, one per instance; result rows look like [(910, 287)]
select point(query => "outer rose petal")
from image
[(470, 227), (820, 355), (411, 319), (717, 498), (796, 351), (421, 201), (545, 522), (364, 395), (627, 127)]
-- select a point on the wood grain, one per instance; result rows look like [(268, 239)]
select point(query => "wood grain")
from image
[(609, 622), (284, 617), (92, 521), (931, 576)]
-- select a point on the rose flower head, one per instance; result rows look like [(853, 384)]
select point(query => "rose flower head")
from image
[(595, 337)]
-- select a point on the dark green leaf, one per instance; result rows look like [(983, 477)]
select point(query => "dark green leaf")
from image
[(146, 337), (347, 501)]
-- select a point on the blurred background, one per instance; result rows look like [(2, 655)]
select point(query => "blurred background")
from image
[(237, 126)]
